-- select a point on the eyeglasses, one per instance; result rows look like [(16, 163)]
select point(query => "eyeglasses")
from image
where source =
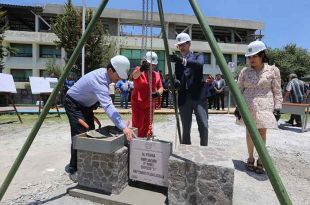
[(253, 56), (183, 44)]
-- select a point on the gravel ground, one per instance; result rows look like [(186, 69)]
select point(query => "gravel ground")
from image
[(41, 178)]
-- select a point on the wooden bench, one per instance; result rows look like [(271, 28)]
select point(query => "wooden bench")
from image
[(301, 109)]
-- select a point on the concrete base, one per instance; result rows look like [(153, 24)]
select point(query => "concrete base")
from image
[(200, 175), (105, 172), (129, 196)]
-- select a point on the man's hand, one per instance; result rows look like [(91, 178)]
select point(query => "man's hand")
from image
[(155, 94), (177, 84), (128, 133), (144, 66), (176, 58), (277, 114)]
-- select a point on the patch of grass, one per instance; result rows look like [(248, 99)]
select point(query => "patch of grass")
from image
[(30, 119)]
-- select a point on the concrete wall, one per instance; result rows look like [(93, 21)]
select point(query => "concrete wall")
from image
[(35, 62)]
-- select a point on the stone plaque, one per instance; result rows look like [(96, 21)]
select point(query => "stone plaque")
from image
[(148, 161)]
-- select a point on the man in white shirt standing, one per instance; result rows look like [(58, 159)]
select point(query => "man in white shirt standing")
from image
[(86, 94)]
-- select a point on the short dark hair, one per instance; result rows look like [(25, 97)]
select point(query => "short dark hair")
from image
[(111, 66), (263, 55)]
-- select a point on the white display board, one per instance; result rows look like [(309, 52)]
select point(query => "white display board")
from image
[(42, 85), (7, 84), (148, 161)]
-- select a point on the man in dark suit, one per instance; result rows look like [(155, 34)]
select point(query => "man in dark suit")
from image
[(219, 86), (190, 85)]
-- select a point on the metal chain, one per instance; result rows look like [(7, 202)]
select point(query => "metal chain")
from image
[(150, 74)]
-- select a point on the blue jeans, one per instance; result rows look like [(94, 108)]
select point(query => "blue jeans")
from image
[(124, 99)]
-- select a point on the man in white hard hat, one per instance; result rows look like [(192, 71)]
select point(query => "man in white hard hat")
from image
[(191, 95), (86, 94), (140, 97)]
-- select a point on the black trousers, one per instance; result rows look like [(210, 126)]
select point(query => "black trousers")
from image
[(219, 97), (297, 119), (75, 111), (201, 112), (165, 98)]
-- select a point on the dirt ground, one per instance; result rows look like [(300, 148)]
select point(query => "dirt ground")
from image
[(41, 178)]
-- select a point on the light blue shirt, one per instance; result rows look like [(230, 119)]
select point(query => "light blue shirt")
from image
[(94, 87)]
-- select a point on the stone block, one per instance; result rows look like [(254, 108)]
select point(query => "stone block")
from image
[(200, 175), (101, 140), (103, 171)]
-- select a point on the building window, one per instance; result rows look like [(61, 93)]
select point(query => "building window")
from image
[(137, 30), (21, 75), (135, 56), (207, 58), (228, 58), (241, 60), (49, 51), (22, 50)]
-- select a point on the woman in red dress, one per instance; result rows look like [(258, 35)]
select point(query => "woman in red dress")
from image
[(142, 111)]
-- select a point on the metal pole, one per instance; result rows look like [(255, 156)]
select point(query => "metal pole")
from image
[(50, 101), (247, 118), (83, 30), (163, 30)]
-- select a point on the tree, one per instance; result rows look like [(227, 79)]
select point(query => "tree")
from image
[(67, 27), (3, 28), (99, 48), (290, 59), (52, 68)]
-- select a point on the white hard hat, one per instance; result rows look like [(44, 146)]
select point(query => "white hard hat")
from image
[(151, 57), (255, 47), (121, 65), (182, 38)]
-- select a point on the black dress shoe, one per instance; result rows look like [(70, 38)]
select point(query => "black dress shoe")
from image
[(298, 125), (289, 122)]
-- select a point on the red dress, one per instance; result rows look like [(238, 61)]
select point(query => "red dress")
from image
[(140, 102)]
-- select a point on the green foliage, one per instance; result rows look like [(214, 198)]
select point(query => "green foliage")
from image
[(3, 28), (290, 59), (67, 27), (99, 48), (52, 69)]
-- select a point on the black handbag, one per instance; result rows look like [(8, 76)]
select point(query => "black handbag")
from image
[(237, 113)]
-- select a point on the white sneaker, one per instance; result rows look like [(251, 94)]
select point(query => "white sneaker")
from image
[(74, 177)]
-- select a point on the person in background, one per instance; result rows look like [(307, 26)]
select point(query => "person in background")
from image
[(191, 93), (86, 94), (124, 88), (112, 91), (159, 100), (219, 87), (260, 84), (295, 91), (69, 82), (165, 95), (142, 106), (210, 92), (131, 87)]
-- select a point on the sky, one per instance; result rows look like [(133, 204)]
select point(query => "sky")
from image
[(285, 21)]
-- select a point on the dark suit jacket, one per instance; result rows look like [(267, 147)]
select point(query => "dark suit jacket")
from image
[(191, 78)]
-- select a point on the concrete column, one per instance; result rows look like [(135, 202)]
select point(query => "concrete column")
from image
[(232, 36), (35, 58), (234, 58), (190, 31), (118, 36), (35, 54), (213, 61), (37, 23), (63, 56)]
